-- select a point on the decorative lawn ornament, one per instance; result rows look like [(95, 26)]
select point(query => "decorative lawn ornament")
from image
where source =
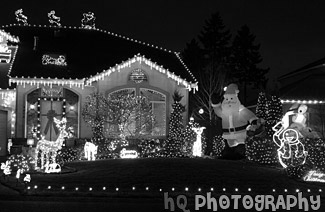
[(53, 19), (291, 151), (27, 178), (18, 174), (235, 117), (128, 153), (9, 144), (197, 146), (49, 149), (52, 168), (20, 17), (315, 176), (90, 151), (88, 20)]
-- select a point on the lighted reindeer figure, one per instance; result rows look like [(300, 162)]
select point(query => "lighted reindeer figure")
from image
[(287, 140), (88, 20), (48, 149), (53, 19), (197, 146), (20, 17)]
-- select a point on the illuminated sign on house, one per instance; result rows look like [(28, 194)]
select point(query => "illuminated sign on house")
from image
[(52, 59)]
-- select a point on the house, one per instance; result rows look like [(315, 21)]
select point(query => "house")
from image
[(306, 86), (50, 70)]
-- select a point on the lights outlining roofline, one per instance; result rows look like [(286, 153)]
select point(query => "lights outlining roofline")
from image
[(9, 37), (291, 101), (177, 54), (80, 83), (152, 65)]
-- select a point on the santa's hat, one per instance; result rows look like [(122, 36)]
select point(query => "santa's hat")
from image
[(232, 89)]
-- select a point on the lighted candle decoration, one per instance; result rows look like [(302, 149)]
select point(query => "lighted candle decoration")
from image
[(197, 146)]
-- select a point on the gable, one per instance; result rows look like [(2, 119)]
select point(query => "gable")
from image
[(138, 59)]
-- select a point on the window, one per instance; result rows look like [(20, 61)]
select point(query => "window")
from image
[(157, 104)]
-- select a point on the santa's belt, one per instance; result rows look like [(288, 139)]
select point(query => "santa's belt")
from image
[(234, 129)]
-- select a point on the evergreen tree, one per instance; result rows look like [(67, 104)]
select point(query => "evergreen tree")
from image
[(209, 60), (274, 114), (261, 108), (245, 58), (95, 113), (174, 141)]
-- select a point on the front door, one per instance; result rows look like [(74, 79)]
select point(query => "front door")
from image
[(49, 111)]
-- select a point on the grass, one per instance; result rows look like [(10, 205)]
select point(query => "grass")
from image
[(165, 174)]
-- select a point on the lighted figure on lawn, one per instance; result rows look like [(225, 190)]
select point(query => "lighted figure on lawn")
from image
[(235, 117), (53, 19), (48, 149), (197, 146), (52, 168), (128, 153), (90, 150), (88, 20), (291, 151), (20, 17)]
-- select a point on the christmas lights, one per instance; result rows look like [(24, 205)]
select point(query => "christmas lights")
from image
[(128, 153), (88, 20), (197, 146), (288, 140), (315, 176), (20, 17), (53, 19), (90, 150), (49, 149), (50, 60)]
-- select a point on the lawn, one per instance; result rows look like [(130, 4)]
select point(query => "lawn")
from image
[(149, 175)]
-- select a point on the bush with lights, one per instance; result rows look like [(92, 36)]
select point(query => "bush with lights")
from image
[(174, 143), (150, 148), (218, 145), (20, 162), (261, 150), (69, 154), (315, 160)]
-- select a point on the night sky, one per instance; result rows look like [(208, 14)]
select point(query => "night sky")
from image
[(291, 33)]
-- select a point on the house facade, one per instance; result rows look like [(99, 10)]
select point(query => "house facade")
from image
[(306, 86), (50, 71)]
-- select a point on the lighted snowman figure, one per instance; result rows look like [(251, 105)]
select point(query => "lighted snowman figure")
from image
[(288, 142), (197, 146)]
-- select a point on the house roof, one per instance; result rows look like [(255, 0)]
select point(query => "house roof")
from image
[(304, 84), (313, 65), (87, 52)]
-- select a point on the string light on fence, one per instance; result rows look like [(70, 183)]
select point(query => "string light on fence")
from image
[(186, 188)]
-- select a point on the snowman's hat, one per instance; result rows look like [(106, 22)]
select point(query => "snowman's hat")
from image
[(232, 89)]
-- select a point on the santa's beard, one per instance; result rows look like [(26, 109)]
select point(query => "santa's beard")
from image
[(230, 108)]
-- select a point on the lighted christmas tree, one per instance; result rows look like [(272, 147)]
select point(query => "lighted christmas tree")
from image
[(175, 142), (95, 113), (274, 114), (261, 108), (189, 137)]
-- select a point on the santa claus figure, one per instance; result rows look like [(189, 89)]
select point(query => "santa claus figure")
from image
[(235, 117)]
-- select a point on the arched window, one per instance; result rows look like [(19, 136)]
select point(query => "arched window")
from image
[(155, 101)]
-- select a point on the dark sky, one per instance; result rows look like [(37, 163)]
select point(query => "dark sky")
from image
[(291, 33)]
